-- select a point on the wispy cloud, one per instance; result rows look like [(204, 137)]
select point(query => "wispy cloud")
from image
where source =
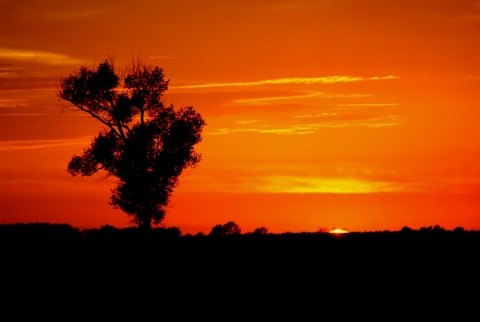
[(24, 114), (41, 144), (297, 184), (305, 95), (319, 184), (31, 69), (303, 124), (162, 57), (272, 99), (316, 115), (365, 104), (247, 121), (40, 57), (293, 80), (13, 103)]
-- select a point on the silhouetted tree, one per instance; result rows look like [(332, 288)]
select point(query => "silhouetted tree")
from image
[(260, 231), (459, 229), (322, 230), (229, 228), (406, 229), (144, 144)]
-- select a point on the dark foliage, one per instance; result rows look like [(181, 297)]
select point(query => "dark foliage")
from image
[(229, 228), (38, 232), (144, 144), (260, 230)]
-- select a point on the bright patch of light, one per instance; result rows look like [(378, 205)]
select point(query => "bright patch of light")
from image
[(338, 231), (293, 184)]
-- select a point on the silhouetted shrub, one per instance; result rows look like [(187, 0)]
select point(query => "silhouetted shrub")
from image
[(406, 229), (458, 230), (229, 228), (260, 231)]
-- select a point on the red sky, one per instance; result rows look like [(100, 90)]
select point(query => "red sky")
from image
[(361, 115)]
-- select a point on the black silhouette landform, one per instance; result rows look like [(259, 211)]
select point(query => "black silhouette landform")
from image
[(427, 272)]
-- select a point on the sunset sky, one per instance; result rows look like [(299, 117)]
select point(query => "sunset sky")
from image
[(321, 114)]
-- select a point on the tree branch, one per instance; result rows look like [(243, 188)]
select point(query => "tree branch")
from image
[(102, 120)]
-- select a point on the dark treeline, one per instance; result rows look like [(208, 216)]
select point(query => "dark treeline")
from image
[(47, 231), (60, 231), (39, 233), (109, 245), (427, 250), (400, 271)]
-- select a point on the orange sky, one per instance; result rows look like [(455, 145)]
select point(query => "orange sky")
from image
[(356, 114)]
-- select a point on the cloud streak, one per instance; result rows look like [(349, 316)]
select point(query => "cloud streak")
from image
[(162, 57), (40, 144), (40, 57), (296, 184), (268, 100), (304, 95), (292, 80), (365, 104), (306, 124)]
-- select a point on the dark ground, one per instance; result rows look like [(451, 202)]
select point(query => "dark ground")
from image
[(427, 274)]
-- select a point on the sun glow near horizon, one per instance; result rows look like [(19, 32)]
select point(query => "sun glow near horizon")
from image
[(338, 231)]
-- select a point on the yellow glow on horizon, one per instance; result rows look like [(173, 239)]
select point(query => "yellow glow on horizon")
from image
[(338, 231)]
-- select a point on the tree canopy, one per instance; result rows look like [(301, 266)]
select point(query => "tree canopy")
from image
[(229, 228), (145, 144)]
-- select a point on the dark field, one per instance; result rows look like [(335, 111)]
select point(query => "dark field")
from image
[(429, 271)]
